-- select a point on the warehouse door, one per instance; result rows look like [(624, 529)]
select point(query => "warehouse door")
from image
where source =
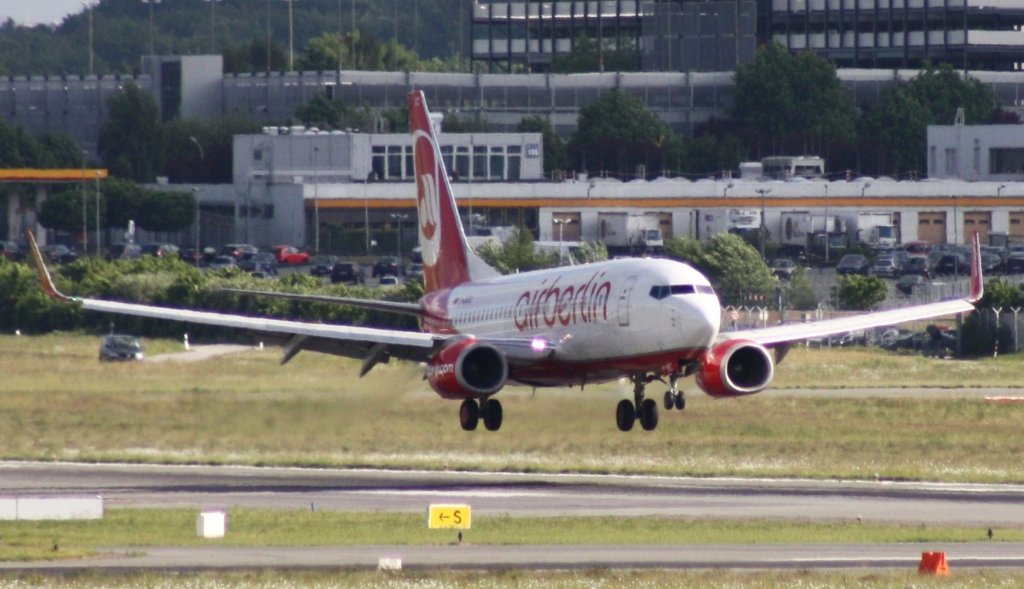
[(976, 221), (931, 227)]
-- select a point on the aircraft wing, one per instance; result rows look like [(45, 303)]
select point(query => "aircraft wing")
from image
[(793, 332), (372, 345), (374, 305)]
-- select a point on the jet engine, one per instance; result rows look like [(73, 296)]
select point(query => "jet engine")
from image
[(467, 369), (735, 368)]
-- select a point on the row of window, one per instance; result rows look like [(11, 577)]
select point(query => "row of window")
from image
[(663, 291), (477, 162)]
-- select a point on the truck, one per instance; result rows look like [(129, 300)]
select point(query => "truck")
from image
[(706, 223), (803, 233), (872, 228), (623, 232)]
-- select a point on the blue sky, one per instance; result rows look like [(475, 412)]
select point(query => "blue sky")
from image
[(33, 12)]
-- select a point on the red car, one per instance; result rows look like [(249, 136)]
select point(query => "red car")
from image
[(291, 255)]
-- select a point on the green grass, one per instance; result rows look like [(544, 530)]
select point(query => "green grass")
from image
[(514, 579), (28, 540), (59, 403)]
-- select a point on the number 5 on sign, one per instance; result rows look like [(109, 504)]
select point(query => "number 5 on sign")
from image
[(449, 516)]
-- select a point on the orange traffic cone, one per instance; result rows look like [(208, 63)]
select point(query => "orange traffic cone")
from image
[(933, 563)]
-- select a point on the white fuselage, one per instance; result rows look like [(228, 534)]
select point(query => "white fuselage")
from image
[(603, 314)]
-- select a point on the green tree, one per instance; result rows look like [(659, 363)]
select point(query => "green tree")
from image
[(518, 254), (556, 158), (586, 56), (792, 101), (62, 210), (733, 266), (800, 292), (123, 198), (166, 211), (321, 111), (616, 133), (1000, 293), (860, 293), (900, 120), (209, 158), (129, 141)]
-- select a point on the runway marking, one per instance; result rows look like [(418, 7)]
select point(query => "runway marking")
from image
[(478, 494)]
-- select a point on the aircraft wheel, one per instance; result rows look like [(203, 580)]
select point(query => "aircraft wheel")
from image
[(625, 415), (492, 414), (469, 414), (648, 414), (679, 400), (670, 401)]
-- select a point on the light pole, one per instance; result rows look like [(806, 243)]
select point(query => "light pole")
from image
[(764, 228), (725, 190), (213, 24), (999, 191), (316, 201), (399, 217), (89, 5), (97, 213), (366, 219), (291, 37), (826, 224), (152, 50), (85, 210), (560, 223), (195, 192), (198, 254)]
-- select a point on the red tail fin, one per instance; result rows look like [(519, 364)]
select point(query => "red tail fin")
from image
[(447, 259), (977, 280)]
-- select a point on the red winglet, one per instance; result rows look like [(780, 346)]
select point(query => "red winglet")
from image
[(44, 274), (977, 281)]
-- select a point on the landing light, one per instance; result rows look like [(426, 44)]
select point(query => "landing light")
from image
[(538, 345)]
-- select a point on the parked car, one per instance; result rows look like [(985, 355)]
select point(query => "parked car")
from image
[(952, 263), (414, 270), (908, 282), (1014, 264), (347, 272), (160, 250), (886, 267), (124, 251), (261, 265), (11, 251), (385, 266), (918, 265), (291, 255), (120, 347), (991, 264), (321, 265), (783, 268), (389, 280), (59, 254), (239, 251), (223, 262), (853, 264)]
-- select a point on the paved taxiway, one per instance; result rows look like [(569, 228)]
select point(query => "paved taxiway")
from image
[(983, 506)]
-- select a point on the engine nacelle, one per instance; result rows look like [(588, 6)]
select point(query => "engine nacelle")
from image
[(467, 369), (735, 368)]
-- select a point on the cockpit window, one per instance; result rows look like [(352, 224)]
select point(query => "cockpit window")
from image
[(661, 291)]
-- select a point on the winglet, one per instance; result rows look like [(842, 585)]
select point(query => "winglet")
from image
[(44, 273), (977, 281)]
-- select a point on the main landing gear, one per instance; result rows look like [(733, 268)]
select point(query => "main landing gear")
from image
[(471, 411), (646, 410)]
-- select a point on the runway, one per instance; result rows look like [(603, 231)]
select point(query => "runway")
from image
[(520, 495)]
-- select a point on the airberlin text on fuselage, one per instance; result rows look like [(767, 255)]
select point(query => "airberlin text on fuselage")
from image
[(552, 304)]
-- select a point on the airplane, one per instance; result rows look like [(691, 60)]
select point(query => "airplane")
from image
[(642, 319)]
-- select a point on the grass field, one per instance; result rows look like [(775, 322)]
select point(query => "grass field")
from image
[(59, 402), (274, 527), (595, 579)]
